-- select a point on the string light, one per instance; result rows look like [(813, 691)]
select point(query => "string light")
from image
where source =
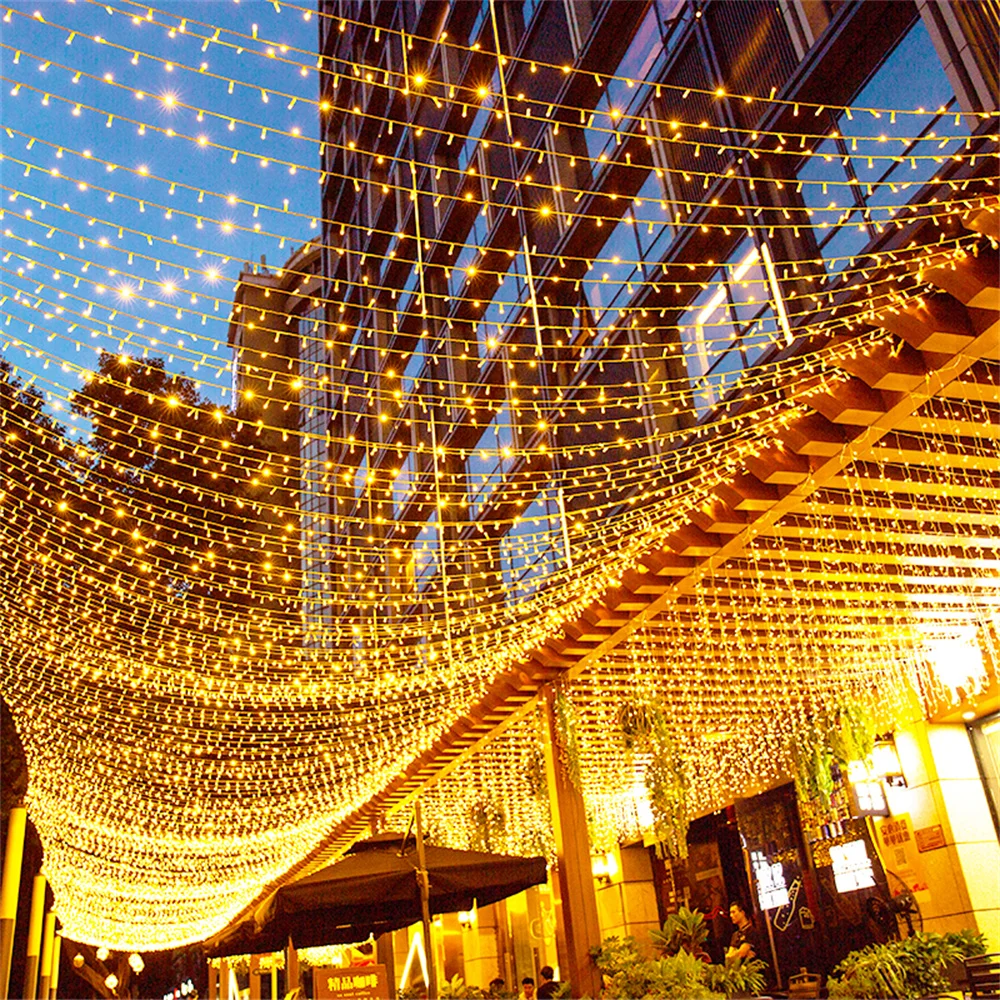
[(233, 618)]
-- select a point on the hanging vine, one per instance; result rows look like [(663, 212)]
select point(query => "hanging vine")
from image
[(642, 728), (566, 735)]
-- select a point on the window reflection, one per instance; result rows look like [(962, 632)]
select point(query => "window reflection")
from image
[(728, 327), (847, 176), (531, 550)]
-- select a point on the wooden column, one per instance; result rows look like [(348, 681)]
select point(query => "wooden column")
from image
[(576, 908), (34, 937), (212, 994), (224, 980), (385, 955), (255, 977), (9, 891)]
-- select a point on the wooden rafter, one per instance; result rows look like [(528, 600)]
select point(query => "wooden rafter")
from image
[(856, 436)]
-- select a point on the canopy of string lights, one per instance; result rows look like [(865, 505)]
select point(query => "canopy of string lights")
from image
[(681, 398)]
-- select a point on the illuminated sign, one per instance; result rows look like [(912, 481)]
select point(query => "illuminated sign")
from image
[(770, 879), (363, 982), (868, 799), (852, 868), (185, 989)]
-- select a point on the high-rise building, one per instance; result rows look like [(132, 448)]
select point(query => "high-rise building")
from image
[(546, 271)]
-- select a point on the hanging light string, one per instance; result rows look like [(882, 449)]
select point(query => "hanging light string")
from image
[(617, 118), (408, 37), (417, 83), (227, 629), (716, 334), (321, 300), (383, 185)]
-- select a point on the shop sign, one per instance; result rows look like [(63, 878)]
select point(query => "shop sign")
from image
[(852, 868), (929, 837), (357, 982), (770, 880), (901, 858)]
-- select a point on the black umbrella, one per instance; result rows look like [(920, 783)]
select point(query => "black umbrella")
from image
[(372, 890)]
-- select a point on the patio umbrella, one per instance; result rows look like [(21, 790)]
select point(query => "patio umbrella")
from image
[(372, 890)]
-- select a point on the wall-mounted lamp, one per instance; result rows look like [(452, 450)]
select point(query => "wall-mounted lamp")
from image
[(885, 761), (468, 918), (604, 867)]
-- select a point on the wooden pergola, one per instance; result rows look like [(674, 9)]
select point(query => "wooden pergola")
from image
[(839, 503)]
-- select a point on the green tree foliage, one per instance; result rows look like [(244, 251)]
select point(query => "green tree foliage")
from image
[(907, 969)]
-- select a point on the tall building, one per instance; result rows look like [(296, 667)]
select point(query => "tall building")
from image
[(619, 304), (594, 219)]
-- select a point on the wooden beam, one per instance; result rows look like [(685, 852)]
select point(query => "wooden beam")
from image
[(847, 422)]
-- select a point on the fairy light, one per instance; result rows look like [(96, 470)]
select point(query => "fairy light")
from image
[(239, 617)]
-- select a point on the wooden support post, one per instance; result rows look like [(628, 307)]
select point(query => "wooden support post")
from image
[(9, 891), (45, 969), (212, 993), (385, 955), (255, 977), (34, 938), (224, 980), (274, 975), (576, 909)]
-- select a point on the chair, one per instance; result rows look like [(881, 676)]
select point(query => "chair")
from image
[(804, 985), (983, 976)]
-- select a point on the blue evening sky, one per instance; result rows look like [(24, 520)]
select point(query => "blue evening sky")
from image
[(64, 295)]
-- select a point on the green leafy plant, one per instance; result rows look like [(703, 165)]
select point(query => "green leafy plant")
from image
[(635, 721), (667, 784), (456, 988), (743, 977), (907, 969), (851, 732), (811, 760), (684, 930), (627, 975)]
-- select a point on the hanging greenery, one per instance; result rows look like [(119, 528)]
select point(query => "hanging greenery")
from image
[(634, 722), (851, 732), (835, 735), (668, 784), (811, 760), (488, 823), (566, 734)]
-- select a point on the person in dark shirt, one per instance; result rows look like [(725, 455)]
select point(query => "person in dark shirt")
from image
[(549, 985), (743, 944)]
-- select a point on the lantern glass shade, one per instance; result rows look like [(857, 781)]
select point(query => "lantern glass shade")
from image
[(885, 759)]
